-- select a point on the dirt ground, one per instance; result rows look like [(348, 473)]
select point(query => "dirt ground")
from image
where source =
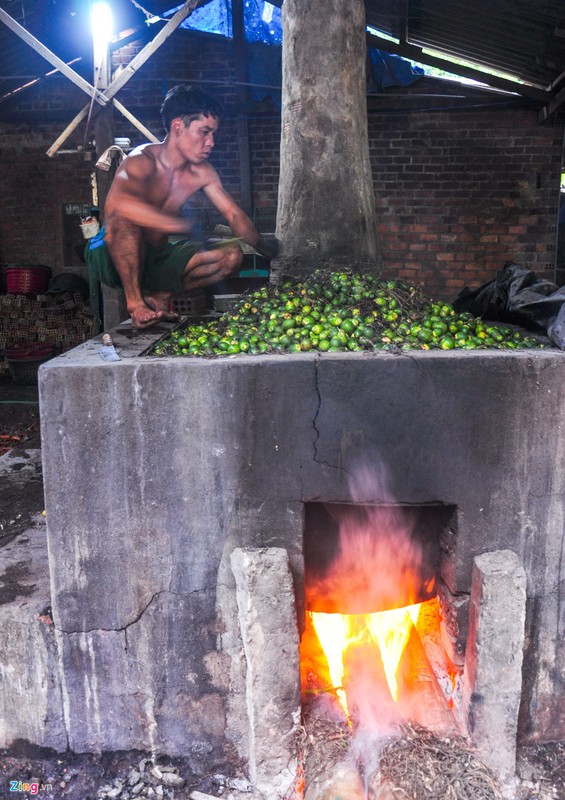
[(88, 777), (70, 776), (79, 777), (19, 414), (19, 428)]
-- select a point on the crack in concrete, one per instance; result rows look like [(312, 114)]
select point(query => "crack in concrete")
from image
[(316, 460), (125, 627), (550, 592), (316, 415)]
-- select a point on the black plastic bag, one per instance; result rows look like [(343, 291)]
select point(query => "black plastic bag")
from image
[(518, 297)]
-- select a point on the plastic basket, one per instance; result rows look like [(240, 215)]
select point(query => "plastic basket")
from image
[(27, 279), (24, 361)]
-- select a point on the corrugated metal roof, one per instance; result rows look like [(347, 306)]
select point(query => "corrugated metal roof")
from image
[(520, 38), (523, 39)]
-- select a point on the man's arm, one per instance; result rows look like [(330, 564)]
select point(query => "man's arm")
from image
[(238, 220)]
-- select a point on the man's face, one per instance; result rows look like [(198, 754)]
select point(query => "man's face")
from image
[(196, 139)]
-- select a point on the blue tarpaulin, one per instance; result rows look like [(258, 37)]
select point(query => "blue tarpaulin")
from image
[(214, 17), (263, 26), (391, 70), (262, 20)]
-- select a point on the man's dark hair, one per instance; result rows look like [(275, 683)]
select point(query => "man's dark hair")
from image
[(188, 101)]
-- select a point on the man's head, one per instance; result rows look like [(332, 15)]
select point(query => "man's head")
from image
[(188, 103)]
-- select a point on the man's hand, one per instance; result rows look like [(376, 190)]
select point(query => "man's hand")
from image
[(268, 246)]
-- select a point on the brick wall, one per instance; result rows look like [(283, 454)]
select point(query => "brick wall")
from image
[(458, 191), (33, 191)]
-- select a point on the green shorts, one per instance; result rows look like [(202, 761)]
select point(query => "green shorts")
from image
[(163, 267)]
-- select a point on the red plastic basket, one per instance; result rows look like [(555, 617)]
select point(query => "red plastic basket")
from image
[(27, 279)]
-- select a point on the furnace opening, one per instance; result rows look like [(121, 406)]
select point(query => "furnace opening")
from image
[(371, 651)]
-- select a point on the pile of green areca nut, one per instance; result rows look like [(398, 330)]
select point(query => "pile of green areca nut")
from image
[(339, 312)]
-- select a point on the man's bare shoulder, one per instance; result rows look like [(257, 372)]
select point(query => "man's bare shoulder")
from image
[(149, 150), (204, 173), (142, 159)]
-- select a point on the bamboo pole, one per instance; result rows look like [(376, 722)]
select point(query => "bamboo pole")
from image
[(125, 75)]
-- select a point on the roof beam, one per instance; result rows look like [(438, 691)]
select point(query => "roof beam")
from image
[(128, 72), (34, 81), (404, 15), (554, 105), (102, 98), (555, 83), (132, 36), (43, 51), (485, 58), (161, 7), (478, 45), (417, 54), (139, 60)]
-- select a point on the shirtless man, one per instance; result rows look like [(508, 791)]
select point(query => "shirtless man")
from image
[(144, 206)]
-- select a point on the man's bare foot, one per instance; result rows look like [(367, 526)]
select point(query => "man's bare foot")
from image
[(144, 316), (160, 301)]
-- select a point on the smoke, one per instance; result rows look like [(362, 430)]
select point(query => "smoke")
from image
[(369, 481), (379, 563)]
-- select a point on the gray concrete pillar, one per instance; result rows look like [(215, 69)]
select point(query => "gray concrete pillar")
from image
[(115, 310), (492, 680), (267, 618), (326, 208)]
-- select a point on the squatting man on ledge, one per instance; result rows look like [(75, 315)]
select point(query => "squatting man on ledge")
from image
[(144, 206)]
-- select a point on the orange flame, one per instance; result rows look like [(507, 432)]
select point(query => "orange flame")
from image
[(332, 631), (391, 629), (388, 630)]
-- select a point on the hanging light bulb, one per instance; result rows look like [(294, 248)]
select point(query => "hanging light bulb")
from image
[(102, 24)]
